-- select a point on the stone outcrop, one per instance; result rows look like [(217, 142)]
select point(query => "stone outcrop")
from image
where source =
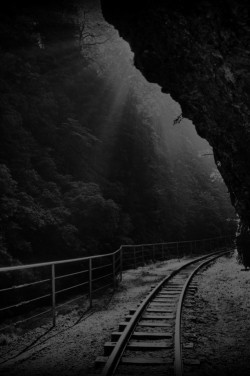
[(199, 52)]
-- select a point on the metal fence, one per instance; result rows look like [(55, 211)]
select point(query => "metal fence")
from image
[(27, 289)]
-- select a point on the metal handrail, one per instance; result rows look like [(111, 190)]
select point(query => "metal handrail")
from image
[(121, 258), (71, 287), (26, 285), (71, 274), (59, 262), (50, 263)]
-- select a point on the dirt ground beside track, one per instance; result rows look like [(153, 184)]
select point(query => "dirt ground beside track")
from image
[(220, 321)]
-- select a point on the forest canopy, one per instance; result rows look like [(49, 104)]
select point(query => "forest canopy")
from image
[(89, 156)]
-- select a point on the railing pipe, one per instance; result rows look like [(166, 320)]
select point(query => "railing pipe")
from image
[(114, 275), (122, 252), (134, 258), (121, 263), (90, 282)]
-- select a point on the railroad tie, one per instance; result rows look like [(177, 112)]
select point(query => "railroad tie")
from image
[(159, 317), (139, 346), (154, 324), (160, 300), (159, 310), (101, 360), (142, 335), (146, 361), (168, 294), (165, 304)]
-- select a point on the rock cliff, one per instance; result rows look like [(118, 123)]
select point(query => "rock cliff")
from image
[(199, 52)]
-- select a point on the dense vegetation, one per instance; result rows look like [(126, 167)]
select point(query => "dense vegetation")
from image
[(79, 175)]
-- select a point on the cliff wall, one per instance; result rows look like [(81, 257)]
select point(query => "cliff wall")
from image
[(199, 52)]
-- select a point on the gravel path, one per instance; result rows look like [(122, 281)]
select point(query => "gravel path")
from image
[(220, 323)]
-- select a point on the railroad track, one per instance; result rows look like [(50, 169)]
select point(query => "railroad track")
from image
[(149, 341)]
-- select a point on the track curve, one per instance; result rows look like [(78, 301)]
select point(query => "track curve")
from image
[(148, 329)]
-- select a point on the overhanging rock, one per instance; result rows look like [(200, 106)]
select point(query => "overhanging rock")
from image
[(199, 52)]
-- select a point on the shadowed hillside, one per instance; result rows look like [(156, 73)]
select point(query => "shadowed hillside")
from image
[(89, 155)]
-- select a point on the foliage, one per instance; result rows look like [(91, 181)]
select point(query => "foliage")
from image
[(78, 176)]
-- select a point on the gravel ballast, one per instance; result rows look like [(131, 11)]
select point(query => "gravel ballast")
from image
[(219, 321)]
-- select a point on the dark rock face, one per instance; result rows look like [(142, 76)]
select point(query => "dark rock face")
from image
[(199, 52)]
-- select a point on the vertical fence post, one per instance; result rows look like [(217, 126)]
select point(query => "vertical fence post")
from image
[(121, 263), (53, 291), (90, 283), (114, 277)]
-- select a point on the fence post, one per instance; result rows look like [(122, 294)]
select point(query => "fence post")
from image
[(121, 263), (134, 259), (90, 283), (114, 279), (53, 291)]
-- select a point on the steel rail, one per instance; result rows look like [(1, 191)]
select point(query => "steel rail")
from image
[(178, 362), (7, 327), (114, 359), (69, 301), (50, 263), (70, 275), (102, 277), (25, 302), (101, 267), (25, 285), (101, 288), (172, 243), (71, 287)]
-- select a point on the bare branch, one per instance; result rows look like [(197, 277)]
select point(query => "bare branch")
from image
[(95, 43), (84, 32), (178, 119)]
